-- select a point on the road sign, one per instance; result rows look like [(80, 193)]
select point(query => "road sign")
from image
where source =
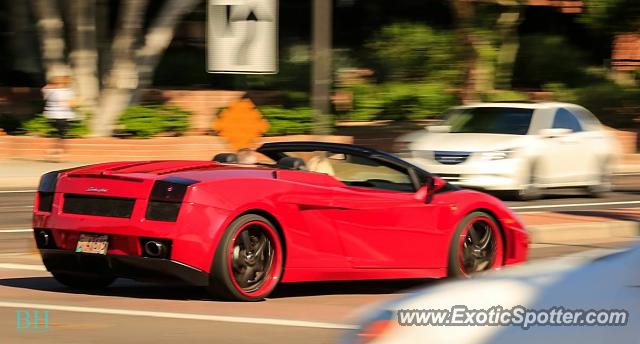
[(241, 124), (242, 36)]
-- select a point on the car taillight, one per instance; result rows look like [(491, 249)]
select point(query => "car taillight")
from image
[(166, 198), (46, 189)]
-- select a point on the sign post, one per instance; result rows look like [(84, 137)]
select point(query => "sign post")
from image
[(242, 36)]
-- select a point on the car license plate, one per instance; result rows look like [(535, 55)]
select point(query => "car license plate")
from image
[(90, 243)]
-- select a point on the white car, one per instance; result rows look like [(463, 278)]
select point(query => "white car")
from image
[(522, 148), (585, 285)]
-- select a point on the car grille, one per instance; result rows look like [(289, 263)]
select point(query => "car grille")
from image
[(450, 158), (98, 206)]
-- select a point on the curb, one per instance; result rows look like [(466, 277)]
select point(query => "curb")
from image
[(583, 232)]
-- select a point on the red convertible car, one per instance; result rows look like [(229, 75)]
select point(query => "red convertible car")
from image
[(319, 211)]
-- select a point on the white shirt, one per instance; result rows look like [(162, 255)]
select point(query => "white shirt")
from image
[(57, 103)]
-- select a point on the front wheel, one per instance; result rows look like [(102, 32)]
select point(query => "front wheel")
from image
[(604, 183), (530, 190), (249, 260), (476, 246)]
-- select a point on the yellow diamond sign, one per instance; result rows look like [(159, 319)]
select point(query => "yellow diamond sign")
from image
[(241, 124)]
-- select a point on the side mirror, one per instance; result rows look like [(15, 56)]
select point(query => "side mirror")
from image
[(554, 132), (438, 128), (425, 193)]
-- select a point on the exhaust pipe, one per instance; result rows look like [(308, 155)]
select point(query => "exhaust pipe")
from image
[(43, 239), (155, 249)]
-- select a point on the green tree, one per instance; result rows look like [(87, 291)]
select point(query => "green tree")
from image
[(131, 55), (413, 51)]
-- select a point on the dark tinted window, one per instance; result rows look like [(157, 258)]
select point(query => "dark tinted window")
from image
[(566, 120), (492, 120)]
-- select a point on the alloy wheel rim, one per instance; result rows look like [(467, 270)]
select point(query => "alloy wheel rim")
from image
[(479, 248), (251, 257)]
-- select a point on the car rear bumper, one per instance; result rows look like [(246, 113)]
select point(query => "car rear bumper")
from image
[(133, 267)]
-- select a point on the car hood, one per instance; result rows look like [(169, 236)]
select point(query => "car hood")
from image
[(466, 142)]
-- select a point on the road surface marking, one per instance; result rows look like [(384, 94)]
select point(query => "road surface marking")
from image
[(31, 267), (187, 316), (17, 191), (573, 205), (16, 230), (16, 207)]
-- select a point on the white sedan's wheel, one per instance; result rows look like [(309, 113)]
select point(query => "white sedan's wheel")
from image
[(530, 190), (604, 184)]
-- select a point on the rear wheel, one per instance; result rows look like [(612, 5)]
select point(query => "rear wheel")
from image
[(477, 246), (249, 260), (83, 281)]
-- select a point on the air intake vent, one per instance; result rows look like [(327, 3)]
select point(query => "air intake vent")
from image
[(98, 206), (450, 158)]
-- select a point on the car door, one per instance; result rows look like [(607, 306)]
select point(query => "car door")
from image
[(379, 221), (564, 157)]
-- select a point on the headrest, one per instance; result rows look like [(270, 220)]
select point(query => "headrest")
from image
[(226, 158), (291, 163)]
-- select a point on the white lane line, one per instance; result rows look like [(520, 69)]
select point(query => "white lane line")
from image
[(187, 316), (16, 207), (16, 230), (573, 205), (17, 191), (31, 267)]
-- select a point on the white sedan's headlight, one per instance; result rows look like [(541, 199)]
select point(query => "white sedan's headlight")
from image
[(497, 155)]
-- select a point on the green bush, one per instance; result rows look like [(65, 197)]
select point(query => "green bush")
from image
[(413, 51), (561, 92), (367, 103), (41, 126), (283, 121), (400, 101), (147, 121), (504, 96)]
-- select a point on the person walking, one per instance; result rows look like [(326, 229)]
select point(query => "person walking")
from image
[(59, 102)]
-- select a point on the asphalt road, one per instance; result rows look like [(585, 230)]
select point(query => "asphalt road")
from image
[(149, 313)]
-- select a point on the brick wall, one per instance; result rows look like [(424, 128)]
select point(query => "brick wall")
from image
[(114, 149)]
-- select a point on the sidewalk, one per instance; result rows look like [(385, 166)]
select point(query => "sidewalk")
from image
[(26, 173), (580, 227)]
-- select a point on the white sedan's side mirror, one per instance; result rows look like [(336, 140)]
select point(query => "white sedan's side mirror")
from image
[(438, 128), (554, 132)]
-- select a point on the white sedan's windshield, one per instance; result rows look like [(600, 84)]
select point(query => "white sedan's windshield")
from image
[(493, 120)]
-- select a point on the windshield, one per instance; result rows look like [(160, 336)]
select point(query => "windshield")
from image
[(493, 120)]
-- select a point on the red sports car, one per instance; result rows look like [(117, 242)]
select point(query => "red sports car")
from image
[(319, 211)]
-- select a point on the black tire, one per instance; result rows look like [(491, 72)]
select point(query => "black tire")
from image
[(454, 266), (231, 256), (530, 192), (83, 281), (604, 182)]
